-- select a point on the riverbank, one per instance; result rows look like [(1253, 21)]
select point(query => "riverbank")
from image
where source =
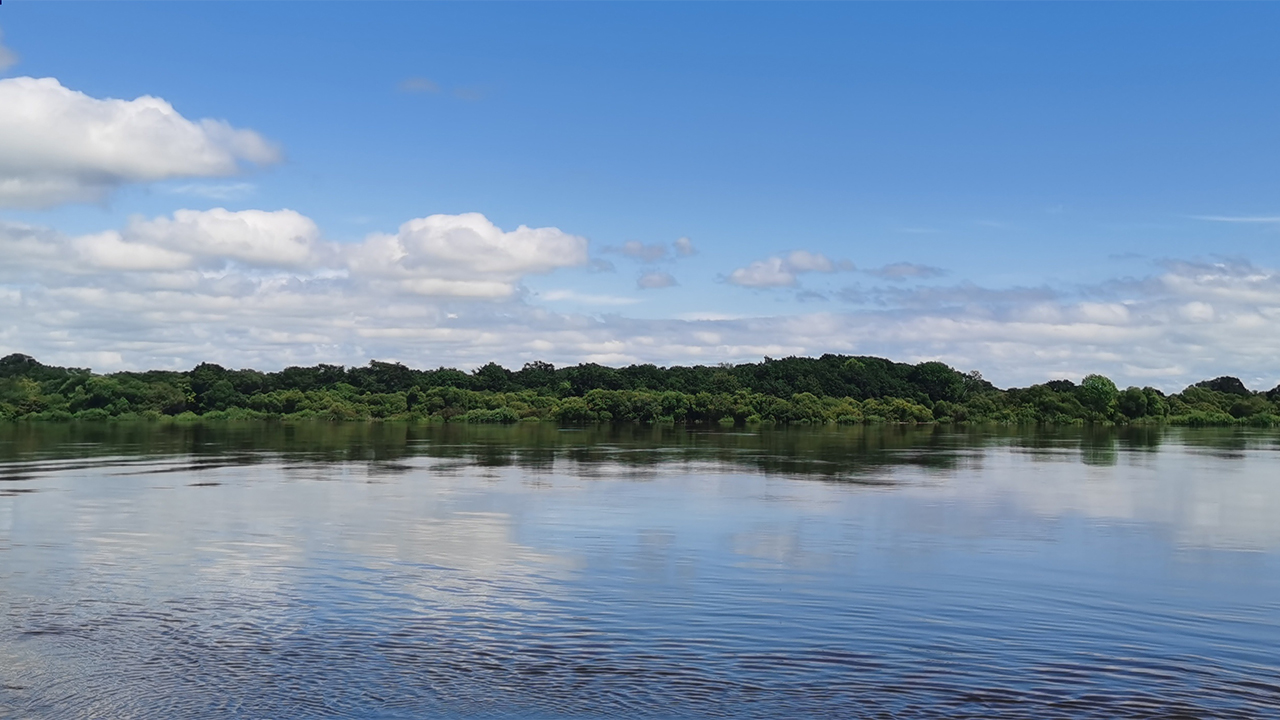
[(793, 391)]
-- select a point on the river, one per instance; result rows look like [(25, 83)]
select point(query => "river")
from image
[(357, 570)]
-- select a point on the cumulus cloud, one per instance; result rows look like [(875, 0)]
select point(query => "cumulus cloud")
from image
[(782, 271), (907, 271), (190, 240), (282, 238), (655, 280), (8, 58), (684, 247), (464, 256), (771, 272), (236, 288), (58, 145)]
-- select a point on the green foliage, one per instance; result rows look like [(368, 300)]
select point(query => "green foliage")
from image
[(1225, 384), (1132, 403), (826, 390), (1098, 393)]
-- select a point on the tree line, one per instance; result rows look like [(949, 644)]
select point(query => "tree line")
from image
[(794, 390)]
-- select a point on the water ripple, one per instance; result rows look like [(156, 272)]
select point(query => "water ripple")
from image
[(258, 586)]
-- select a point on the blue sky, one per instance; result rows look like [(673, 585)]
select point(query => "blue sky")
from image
[(1035, 190)]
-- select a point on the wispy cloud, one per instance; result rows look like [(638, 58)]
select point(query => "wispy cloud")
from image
[(586, 298), (426, 86), (709, 316), (470, 94), (1263, 219), (8, 58), (906, 271), (654, 252), (419, 85), (655, 280), (215, 191)]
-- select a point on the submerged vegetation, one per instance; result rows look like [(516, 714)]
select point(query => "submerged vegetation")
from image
[(829, 389)]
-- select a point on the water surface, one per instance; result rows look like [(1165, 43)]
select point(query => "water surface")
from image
[(395, 571)]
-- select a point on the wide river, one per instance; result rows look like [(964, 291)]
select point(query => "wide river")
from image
[(395, 571)]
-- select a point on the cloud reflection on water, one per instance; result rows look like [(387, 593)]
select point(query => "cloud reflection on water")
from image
[(315, 570)]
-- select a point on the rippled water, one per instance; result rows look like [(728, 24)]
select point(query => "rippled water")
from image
[(389, 571)]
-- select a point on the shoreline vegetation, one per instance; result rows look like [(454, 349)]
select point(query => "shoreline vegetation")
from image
[(789, 391)]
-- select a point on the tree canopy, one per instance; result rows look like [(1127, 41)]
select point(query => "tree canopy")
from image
[(827, 389)]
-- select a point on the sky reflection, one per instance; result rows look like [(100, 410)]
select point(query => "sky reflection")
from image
[(394, 571)]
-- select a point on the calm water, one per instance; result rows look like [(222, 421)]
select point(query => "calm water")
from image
[(386, 571)]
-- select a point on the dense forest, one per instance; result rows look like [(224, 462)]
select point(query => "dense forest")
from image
[(795, 390)]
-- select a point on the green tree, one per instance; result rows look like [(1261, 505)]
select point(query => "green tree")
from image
[(1098, 393), (1132, 403), (938, 380)]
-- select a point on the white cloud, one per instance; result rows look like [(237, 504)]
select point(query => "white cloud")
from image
[(461, 256), (464, 256), (58, 145), (233, 288), (8, 58), (586, 298), (1196, 311), (782, 271), (771, 272), (655, 280), (110, 251), (684, 247), (281, 238), (191, 240)]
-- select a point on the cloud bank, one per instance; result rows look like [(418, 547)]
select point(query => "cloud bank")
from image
[(265, 289), (58, 145)]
